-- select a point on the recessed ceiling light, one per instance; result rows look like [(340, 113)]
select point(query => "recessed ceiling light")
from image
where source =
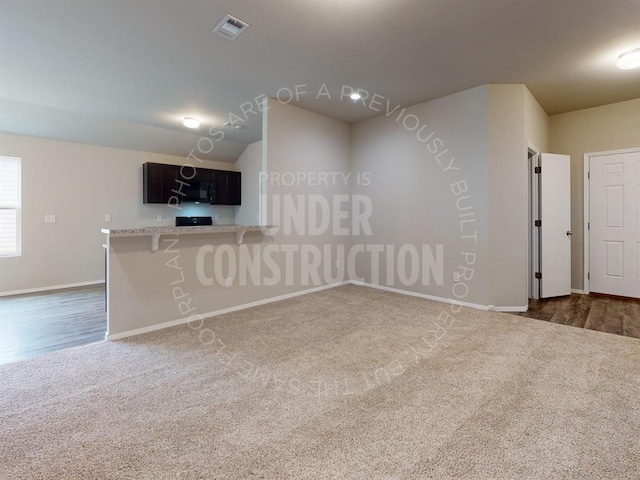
[(191, 122), (629, 60), (356, 96)]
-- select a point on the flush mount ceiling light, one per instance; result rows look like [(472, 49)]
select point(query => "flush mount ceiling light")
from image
[(356, 96), (629, 59), (233, 125), (191, 122)]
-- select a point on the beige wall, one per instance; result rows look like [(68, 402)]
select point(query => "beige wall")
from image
[(508, 193), (142, 283), (484, 129), (536, 129), (411, 193), (610, 127), (514, 120), (300, 142), (250, 164), (79, 183), (536, 122)]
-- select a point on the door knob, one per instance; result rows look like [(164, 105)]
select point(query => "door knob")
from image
[(569, 232)]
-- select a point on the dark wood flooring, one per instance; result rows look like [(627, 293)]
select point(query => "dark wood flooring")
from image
[(620, 316), (34, 324)]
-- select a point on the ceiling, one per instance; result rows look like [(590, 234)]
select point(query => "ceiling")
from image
[(123, 73)]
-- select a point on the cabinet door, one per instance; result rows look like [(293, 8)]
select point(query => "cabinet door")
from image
[(164, 183), (234, 185), (222, 182), (228, 184), (151, 183), (207, 180), (170, 173), (158, 181), (202, 175)]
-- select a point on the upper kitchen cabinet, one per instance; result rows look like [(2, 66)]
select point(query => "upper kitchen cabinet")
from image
[(157, 182), (217, 187), (229, 192)]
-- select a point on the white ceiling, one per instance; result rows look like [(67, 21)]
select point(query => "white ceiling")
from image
[(124, 72)]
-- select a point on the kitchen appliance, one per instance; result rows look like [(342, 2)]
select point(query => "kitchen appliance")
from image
[(205, 192), (193, 221)]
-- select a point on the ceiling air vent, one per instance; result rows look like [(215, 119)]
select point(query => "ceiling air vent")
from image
[(230, 27)]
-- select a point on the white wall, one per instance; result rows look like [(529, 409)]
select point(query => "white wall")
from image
[(610, 127), (250, 164), (80, 183)]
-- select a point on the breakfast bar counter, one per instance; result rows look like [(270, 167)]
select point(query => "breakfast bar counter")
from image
[(156, 232)]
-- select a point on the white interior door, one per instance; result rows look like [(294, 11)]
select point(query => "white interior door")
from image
[(614, 235), (555, 230)]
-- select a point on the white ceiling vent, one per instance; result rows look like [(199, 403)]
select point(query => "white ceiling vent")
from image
[(230, 27)]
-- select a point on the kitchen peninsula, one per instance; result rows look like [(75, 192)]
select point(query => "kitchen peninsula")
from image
[(156, 232), (153, 274)]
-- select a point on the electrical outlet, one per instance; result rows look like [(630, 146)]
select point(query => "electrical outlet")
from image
[(215, 217), (337, 265), (456, 277), (49, 219), (229, 282), (158, 218), (107, 218)]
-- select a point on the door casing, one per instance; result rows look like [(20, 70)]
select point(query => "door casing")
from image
[(533, 247)]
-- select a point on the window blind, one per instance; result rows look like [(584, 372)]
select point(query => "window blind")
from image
[(9, 206)]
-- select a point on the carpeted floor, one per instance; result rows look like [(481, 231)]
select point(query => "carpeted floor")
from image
[(346, 383)]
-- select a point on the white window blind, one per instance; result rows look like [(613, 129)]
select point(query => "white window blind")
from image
[(10, 202)]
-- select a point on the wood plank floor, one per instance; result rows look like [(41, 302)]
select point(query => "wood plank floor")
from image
[(616, 315), (34, 324)]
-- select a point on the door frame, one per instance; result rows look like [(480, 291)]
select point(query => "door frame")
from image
[(586, 233), (533, 240)]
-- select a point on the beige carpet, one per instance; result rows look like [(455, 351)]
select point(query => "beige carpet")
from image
[(488, 396)]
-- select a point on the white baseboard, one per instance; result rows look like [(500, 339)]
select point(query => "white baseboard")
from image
[(476, 306), (510, 309), (53, 287), (420, 295), (182, 321), (575, 290)]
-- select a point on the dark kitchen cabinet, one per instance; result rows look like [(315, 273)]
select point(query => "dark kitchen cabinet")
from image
[(229, 188), (158, 180), (169, 183)]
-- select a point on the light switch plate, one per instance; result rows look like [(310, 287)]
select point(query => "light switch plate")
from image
[(49, 219), (107, 218)]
